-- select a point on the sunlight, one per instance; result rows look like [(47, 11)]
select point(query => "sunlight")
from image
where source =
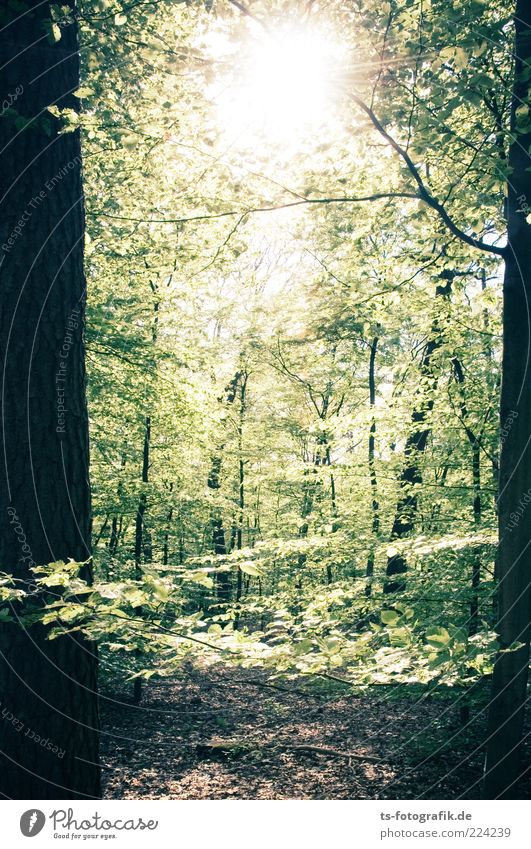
[(281, 87)]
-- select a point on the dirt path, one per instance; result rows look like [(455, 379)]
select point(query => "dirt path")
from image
[(215, 735)]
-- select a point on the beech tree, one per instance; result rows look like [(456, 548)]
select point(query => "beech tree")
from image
[(298, 218), (509, 686), (49, 731)]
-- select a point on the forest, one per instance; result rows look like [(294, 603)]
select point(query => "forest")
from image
[(265, 331)]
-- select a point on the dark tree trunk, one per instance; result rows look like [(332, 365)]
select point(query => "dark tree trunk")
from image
[(165, 548), (475, 445), (101, 531), (241, 462), (375, 507), (411, 475), (48, 687), (241, 487), (224, 582), (306, 510), (114, 537), (509, 685), (140, 535)]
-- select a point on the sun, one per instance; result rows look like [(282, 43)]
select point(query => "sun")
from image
[(280, 86)]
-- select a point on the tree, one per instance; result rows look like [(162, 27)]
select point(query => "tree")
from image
[(509, 685), (411, 475), (49, 736), (268, 265)]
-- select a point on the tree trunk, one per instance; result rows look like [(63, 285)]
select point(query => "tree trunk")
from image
[(165, 548), (411, 475), (48, 688), (375, 507), (509, 684), (113, 539), (224, 583), (475, 445), (139, 536), (241, 487)]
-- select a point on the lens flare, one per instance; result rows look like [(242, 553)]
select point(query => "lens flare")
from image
[(280, 87)]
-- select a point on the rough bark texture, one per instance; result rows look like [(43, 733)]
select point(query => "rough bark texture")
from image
[(509, 686), (47, 687)]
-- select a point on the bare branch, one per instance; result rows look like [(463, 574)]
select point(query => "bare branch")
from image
[(424, 194), (253, 210)]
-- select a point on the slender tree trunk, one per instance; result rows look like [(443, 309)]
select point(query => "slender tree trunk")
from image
[(411, 475), (306, 510), (139, 535), (48, 688), (375, 507), (165, 548), (101, 531), (509, 684), (333, 505), (241, 485), (223, 579), (476, 566), (113, 539), (241, 462), (181, 545), (117, 521), (224, 582), (475, 446)]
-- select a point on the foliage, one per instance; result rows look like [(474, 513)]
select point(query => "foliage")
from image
[(192, 291)]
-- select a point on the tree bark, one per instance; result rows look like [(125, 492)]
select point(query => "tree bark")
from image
[(509, 684), (48, 688)]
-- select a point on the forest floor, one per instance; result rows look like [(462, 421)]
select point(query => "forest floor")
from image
[(225, 733)]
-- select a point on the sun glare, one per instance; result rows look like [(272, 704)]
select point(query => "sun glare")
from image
[(280, 87)]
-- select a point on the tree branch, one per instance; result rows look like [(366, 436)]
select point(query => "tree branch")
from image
[(424, 194), (252, 210)]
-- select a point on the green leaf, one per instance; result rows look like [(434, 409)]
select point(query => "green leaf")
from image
[(389, 617), (303, 647), (53, 31), (438, 638), (251, 569), (83, 91)]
